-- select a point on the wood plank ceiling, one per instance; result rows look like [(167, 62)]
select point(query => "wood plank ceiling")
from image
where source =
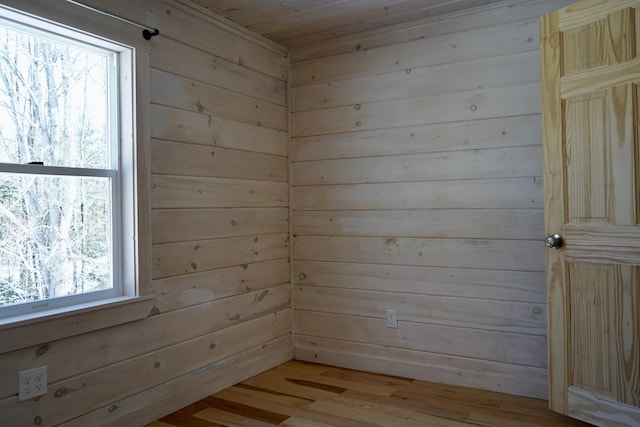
[(295, 23)]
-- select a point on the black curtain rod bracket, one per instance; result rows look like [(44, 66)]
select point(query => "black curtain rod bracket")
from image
[(147, 34)]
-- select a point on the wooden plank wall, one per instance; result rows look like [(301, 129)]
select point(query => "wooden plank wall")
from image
[(219, 197), (416, 174)]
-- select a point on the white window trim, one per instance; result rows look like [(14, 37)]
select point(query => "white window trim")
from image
[(136, 301)]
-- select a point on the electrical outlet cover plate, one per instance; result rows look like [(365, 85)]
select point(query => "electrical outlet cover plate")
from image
[(32, 383), (392, 319)]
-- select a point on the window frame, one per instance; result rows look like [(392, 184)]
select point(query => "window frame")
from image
[(69, 19), (116, 53)]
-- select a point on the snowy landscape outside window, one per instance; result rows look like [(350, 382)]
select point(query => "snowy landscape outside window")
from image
[(59, 170)]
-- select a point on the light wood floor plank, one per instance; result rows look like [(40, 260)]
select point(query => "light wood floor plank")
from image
[(436, 407), (263, 399), (301, 422), (230, 419), (303, 394)]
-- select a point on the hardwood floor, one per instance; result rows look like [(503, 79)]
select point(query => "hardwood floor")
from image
[(311, 395)]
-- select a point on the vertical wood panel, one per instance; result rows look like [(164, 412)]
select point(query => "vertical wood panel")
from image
[(588, 63), (586, 146), (603, 42), (602, 319)]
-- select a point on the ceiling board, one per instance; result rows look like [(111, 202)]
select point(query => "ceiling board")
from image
[(297, 22)]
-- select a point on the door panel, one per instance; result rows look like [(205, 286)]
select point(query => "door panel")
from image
[(605, 41), (585, 150), (600, 296), (590, 76)]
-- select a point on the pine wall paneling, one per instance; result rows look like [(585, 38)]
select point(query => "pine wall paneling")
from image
[(416, 174), (219, 221)]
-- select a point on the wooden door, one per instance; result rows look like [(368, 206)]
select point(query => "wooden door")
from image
[(590, 104)]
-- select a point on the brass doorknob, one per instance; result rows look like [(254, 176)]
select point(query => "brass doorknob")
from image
[(553, 241)]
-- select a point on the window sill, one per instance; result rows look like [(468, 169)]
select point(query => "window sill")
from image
[(24, 331)]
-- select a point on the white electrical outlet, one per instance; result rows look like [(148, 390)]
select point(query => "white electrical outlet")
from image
[(392, 319), (32, 383)]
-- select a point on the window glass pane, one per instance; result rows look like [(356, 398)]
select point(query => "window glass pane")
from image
[(55, 236), (53, 101)]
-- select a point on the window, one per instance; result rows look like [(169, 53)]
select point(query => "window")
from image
[(68, 167)]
